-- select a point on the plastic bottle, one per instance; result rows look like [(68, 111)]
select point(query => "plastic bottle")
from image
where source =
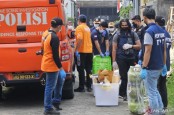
[(116, 77), (78, 60)]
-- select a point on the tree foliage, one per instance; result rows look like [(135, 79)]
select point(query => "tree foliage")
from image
[(124, 11), (71, 19)]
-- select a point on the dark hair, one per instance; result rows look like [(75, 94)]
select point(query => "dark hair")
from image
[(104, 24), (149, 13), (128, 23), (160, 20), (136, 17), (56, 22), (82, 18)]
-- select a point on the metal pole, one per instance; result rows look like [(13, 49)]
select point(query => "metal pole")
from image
[(136, 7)]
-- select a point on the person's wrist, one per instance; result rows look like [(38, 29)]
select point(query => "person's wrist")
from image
[(143, 67)]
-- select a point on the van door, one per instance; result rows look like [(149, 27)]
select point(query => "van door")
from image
[(20, 37)]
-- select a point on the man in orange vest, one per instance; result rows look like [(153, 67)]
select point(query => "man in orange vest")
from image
[(52, 66), (83, 53)]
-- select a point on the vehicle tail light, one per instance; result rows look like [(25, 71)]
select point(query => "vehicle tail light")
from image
[(64, 49)]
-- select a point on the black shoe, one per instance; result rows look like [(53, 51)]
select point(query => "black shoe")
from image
[(89, 89), (56, 106), (79, 90), (125, 98), (51, 112)]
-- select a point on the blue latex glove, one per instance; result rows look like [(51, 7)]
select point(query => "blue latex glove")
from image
[(102, 55), (62, 73), (164, 71), (139, 54), (139, 62), (107, 53), (77, 53), (143, 73)]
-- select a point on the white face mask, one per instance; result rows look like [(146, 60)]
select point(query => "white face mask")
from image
[(60, 28), (110, 29), (96, 25), (70, 28), (101, 31)]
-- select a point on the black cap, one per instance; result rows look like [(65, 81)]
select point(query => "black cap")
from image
[(56, 22), (104, 24), (82, 18), (136, 17), (97, 20), (160, 20)]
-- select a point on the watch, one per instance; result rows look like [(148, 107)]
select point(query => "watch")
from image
[(144, 67)]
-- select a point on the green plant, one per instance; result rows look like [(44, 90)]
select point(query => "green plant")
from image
[(124, 11), (170, 90), (71, 19)]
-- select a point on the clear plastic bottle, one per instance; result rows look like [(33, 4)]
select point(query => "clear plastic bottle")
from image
[(116, 77)]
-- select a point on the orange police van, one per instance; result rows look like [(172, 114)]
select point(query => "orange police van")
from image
[(22, 23)]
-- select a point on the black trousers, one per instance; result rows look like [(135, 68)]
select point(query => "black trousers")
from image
[(124, 65), (85, 65), (163, 90)]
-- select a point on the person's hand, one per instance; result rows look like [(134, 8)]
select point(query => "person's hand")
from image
[(107, 53), (143, 73), (127, 46), (62, 73), (115, 65), (77, 53), (164, 71), (139, 62), (102, 55)]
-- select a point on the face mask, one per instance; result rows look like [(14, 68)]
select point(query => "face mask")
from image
[(110, 29), (124, 29), (101, 31), (96, 25), (70, 27), (134, 25), (60, 28)]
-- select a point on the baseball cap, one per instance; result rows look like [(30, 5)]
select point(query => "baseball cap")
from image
[(104, 24), (111, 24), (56, 22), (82, 18), (97, 21), (160, 20), (136, 17)]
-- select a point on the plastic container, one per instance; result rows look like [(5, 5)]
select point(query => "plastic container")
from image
[(136, 93), (116, 77), (100, 63), (78, 60)]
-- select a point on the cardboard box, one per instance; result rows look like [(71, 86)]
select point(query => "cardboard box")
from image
[(106, 95)]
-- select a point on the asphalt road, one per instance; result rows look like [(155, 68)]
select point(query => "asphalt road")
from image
[(29, 101)]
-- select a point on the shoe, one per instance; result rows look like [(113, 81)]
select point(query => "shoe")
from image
[(56, 106), (79, 90), (125, 98), (51, 112), (89, 89), (121, 97)]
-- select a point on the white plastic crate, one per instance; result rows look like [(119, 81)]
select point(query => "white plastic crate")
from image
[(106, 95)]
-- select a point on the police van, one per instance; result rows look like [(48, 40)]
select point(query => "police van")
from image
[(22, 23)]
